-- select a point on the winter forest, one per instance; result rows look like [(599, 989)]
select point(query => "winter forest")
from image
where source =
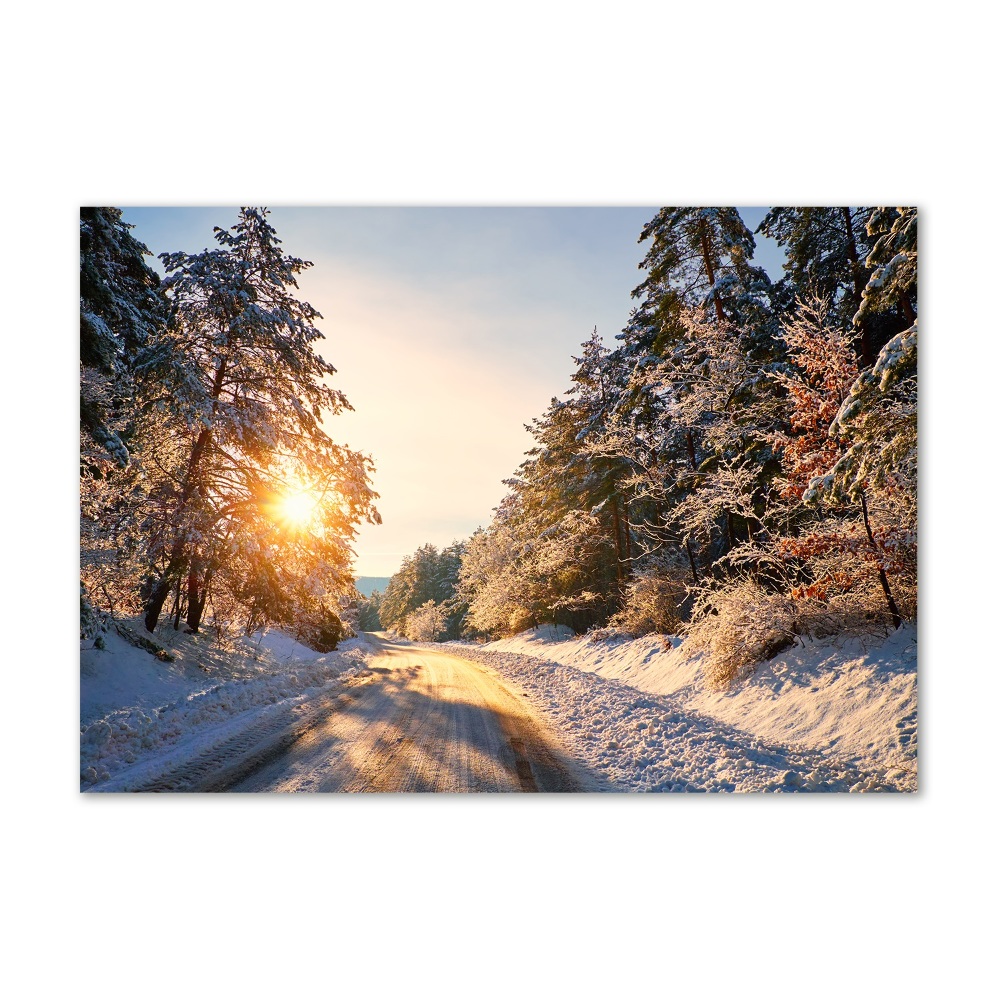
[(208, 484), (740, 467)]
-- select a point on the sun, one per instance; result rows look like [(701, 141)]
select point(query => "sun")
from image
[(298, 508)]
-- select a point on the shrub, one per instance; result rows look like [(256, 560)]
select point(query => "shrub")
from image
[(653, 602), (741, 623), (738, 626)]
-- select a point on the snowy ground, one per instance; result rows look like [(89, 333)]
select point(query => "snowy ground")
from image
[(141, 718), (822, 716), (828, 717)]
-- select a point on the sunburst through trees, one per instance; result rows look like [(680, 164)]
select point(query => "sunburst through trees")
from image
[(235, 495)]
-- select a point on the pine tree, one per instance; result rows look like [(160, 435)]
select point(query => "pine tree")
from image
[(686, 417), (893, 261), (121, 311), (427, 576), (565, 487), (246, 394), (696, 256), (826, 251)]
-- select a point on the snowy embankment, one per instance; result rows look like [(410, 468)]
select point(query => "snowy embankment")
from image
[(142, 718), (821, 716)]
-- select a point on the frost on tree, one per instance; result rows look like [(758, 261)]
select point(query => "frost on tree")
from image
[(429, 576), (247, 395), (121, 312)]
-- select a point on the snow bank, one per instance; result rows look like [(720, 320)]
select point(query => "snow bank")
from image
[(838, 714), (135, 708)]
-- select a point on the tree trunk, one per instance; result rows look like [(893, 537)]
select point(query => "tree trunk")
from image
[(694, 568), (156, 601), (177, 557), (897, 619), (199, 581), (196, 599), (908, 314), (709, 268), (867, 354), (154, 606), (177, 605)]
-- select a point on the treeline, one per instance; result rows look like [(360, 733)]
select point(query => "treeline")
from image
[(209, 490), (421, 600), (742, 465)]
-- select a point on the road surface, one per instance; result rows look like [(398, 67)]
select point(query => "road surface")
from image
[(420, 720)]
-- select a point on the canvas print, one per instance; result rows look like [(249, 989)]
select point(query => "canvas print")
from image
[(498, 499)]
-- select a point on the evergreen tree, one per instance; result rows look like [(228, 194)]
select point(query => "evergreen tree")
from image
[(428, 576), (893, 260), (686, 420), (246, 394), (369, 619), (697, 256), (825, 255), (829, 253), (564, 484), (121, 311)]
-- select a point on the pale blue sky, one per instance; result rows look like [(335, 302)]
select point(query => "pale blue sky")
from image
[(450, 328)]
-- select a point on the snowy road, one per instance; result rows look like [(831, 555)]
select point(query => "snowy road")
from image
[(418, 721)]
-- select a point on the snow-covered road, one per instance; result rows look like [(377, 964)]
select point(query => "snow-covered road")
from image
[(422, 720), (532, 713)]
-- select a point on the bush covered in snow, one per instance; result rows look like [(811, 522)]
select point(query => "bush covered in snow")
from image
[(743, 623), (427, 624), (653, 602), (738, 626)]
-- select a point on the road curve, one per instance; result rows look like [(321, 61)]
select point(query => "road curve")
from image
[(422, 720)]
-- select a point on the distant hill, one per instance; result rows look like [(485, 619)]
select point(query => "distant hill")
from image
[(368, 584)]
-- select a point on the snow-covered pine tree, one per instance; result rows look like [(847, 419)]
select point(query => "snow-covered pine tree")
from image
[(594, 397), (121, 311), (694, 256), (246, 392), (429, 575), (563, 484), (893, 263), (697, 384), (826, 249)]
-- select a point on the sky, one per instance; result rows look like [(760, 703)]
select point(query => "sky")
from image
[(451, 328)]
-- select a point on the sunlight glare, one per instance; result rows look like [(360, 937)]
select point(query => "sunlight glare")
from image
[(298, 508)]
